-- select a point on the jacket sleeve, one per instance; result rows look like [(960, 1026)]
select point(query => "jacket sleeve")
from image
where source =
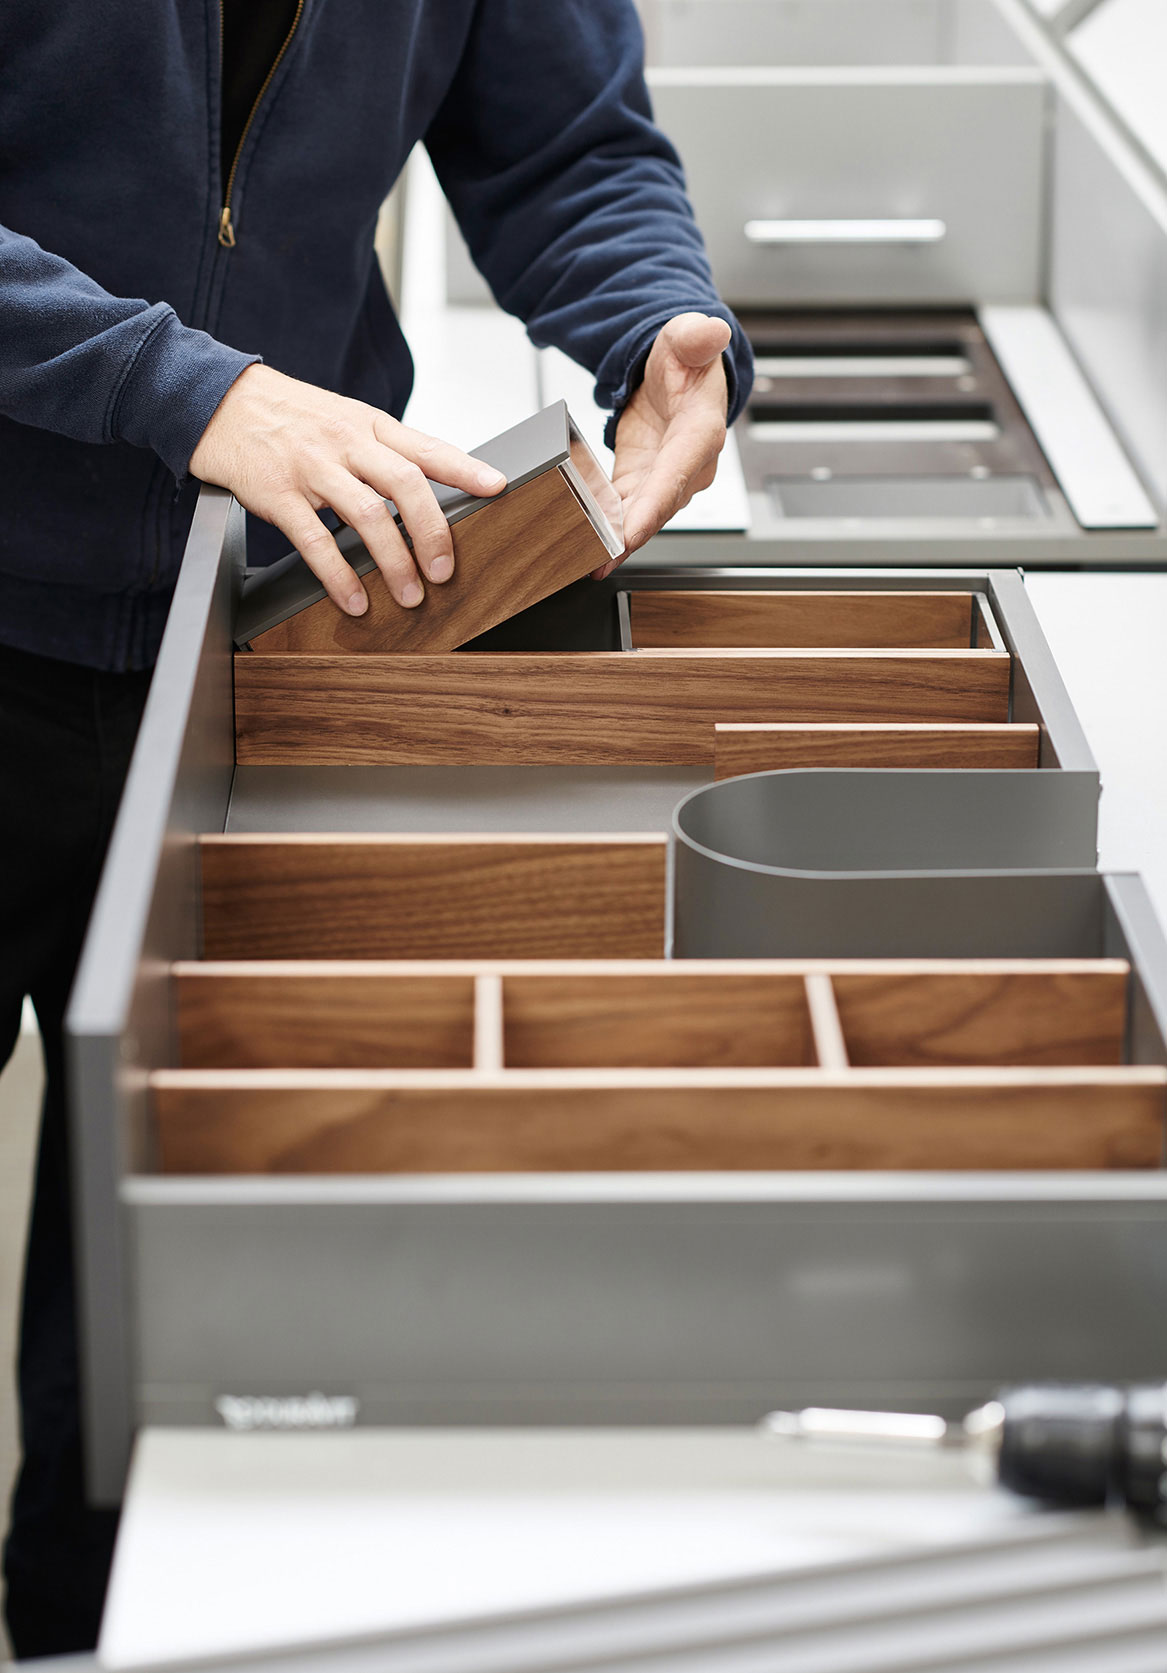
[(102, 368), (571, 201)]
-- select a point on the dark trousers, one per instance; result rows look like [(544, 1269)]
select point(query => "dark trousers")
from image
[(66, 734)]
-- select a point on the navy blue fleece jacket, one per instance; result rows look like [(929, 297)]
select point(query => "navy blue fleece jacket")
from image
[(124, 320)]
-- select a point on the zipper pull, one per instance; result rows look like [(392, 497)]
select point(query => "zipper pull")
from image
[(226, 230)]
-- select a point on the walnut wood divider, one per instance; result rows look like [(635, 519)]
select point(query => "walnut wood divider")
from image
[(760, 749), (407, 897), (623, 1065), (854, 620), (586, 708)]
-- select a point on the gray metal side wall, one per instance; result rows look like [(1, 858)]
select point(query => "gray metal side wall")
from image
[(119, 1024)]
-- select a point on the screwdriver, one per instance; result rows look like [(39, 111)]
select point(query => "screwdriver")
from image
[(1065, 1443)]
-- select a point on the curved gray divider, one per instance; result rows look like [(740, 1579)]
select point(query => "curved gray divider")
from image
[(884, 863)]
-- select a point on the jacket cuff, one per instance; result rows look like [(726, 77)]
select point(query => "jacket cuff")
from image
[(738, 360), (172, 388)]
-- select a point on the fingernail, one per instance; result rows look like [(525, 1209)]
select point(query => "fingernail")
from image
[(442, 568), (488, 480), (358, 603), (411, 595)]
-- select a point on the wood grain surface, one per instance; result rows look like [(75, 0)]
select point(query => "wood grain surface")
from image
[(507, 556), (611, 1013), (433, 897), (1018, 1019), (649, 1020), (584, 708), (869, 620), (761, 749), (633, 1120), (291, 1018)]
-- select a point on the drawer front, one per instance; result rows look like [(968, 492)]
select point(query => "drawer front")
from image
[(863, 186), (821, 32), (759, 32), (644, 1307)]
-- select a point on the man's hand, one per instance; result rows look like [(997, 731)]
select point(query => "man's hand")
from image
[(673, 428), (285, 449)]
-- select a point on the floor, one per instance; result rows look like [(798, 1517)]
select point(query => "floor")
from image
[(20, 1089)]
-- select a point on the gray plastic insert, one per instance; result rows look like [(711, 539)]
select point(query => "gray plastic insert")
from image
[(881, 863)]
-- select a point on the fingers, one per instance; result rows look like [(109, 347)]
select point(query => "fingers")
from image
[(695, 339), (438, 460), (405, 484), (682, 468), (685, 465), (402, 468), (364, 510), (320, 552), (285, 449)]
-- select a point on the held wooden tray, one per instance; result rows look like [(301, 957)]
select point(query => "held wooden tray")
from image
[(557, 519)]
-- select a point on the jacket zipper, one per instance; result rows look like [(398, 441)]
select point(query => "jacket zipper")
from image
[(226, 226)]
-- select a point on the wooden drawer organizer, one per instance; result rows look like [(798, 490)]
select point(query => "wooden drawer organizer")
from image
[(422, 1116), (513, 1067), (395, 1021), (741, 681)]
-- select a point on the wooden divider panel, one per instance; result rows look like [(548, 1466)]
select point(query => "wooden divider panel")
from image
[(272, 897), (899, 1017), (762, 749), (862, 620), (584, 708), (632, 1120), (830, 1048), (670, 1019), (322, 1017)]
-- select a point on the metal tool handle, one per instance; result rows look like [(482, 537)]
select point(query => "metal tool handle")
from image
[(899, 231)]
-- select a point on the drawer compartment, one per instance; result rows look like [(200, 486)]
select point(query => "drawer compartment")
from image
[(650, 1014), (645, 1121), (661, 620), (594, 708), (663, 1068), (403, 897)]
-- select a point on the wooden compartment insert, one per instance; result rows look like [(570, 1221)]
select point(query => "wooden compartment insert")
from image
[(793, 620), (761, 749), (405, 897), (586, 708), (615, 1067)]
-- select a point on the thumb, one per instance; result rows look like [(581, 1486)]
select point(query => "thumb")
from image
[(696, 339)]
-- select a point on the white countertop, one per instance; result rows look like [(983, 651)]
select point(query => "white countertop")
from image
[(237, 1542)]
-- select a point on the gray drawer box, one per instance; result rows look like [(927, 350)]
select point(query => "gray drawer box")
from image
[(893, 32), (864, 186), (544, 1298)]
